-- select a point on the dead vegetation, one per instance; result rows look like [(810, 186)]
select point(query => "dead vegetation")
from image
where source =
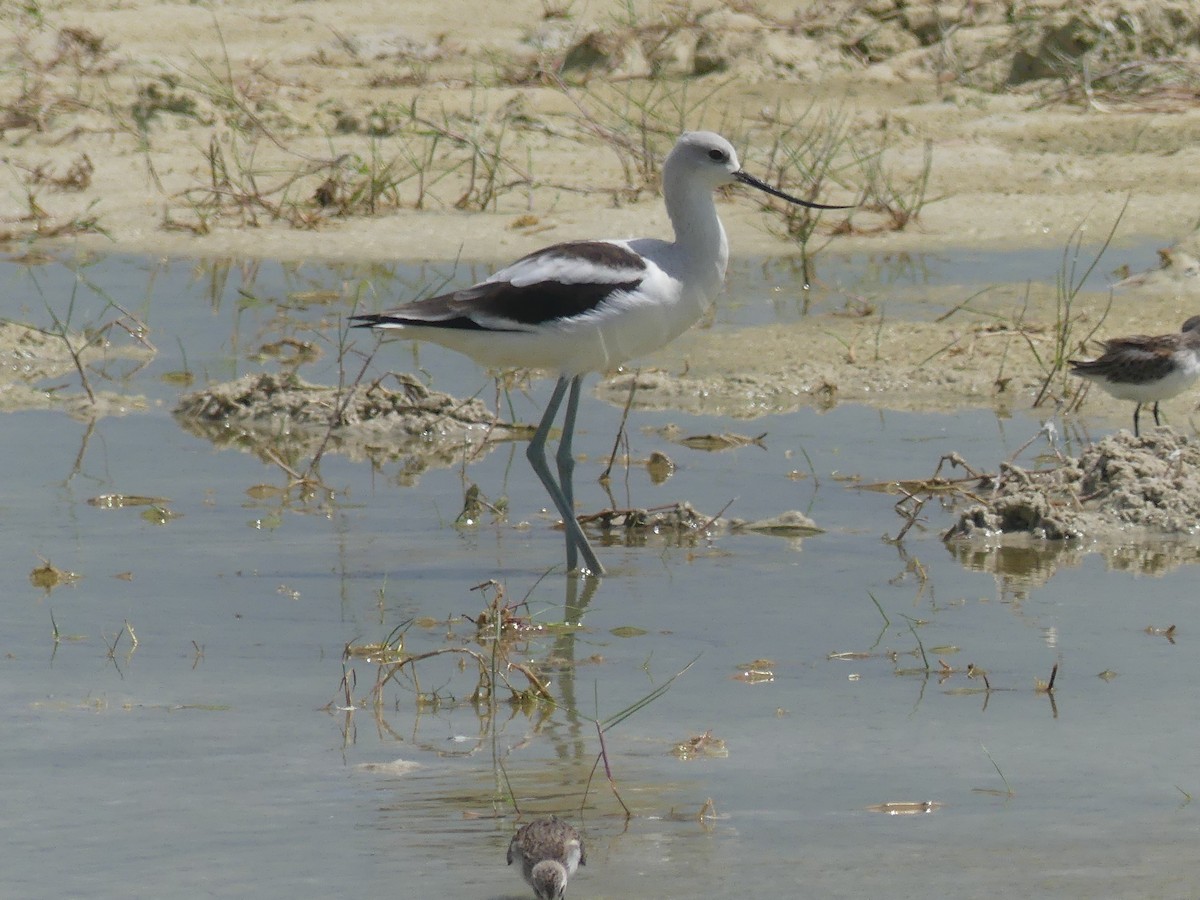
[(266, 144), (1117, 488), (101, 348), (916, 662), (483, 665), (270, 152), (500, 633)]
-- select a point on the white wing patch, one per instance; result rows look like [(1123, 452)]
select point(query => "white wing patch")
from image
[(589, 262)]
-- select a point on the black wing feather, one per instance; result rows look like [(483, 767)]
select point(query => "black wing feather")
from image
[(523, 305)]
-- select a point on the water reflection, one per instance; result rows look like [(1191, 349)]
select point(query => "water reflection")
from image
[(1154, 556), (1018, 568), (478, 675), (1021, 567)]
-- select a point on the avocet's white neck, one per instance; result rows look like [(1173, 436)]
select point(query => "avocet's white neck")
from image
[(700, 238)]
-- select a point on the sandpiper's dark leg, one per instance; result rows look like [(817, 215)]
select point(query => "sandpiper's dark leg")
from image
[(1156, 422), (562, 495), (1137, 409)]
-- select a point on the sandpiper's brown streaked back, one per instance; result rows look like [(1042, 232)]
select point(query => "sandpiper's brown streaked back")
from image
[(549, 850), (1146, 368)]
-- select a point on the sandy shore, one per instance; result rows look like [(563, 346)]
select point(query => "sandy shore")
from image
[(149, 92), (346, 131)]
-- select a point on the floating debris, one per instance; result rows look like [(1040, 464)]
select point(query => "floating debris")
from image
[(379, 652), (761, 671), (1168, 632), (289, 352), (395, 767), (627, 631), (313, 298), (48, 577), (906, 808), (159, 515), (787, 524), (724, 441), (708, 813), (178, 378), (701, 746), (676, 518), (120, 501), (660, 467)]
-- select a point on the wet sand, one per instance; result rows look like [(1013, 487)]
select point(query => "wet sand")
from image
[(160, 129)]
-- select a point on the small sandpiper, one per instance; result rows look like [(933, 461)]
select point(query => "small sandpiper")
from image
[(1146, 368), (550, 851)]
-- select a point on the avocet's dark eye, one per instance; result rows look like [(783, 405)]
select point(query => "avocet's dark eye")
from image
[(716, 155)]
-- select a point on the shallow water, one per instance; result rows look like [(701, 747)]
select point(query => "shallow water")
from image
[(211, 760)]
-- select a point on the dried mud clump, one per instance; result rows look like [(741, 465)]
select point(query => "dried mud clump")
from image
[(685, 524), (677, 520), (274, 412), (1119, 485)]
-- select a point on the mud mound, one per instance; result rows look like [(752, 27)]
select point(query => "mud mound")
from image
[(1116, 487), (283, 415)]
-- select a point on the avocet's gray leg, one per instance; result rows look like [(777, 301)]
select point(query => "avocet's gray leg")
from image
[(565, 456), (562, 492), (577, 540)]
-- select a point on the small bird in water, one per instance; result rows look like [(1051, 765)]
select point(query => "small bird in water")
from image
[(1146, 368), (550, 851)]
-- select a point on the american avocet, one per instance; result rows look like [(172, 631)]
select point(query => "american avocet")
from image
[(1146, 368), (587, 306), (549, 851)]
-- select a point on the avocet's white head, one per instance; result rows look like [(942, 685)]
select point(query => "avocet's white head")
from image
[(700, 162), (706, 157)]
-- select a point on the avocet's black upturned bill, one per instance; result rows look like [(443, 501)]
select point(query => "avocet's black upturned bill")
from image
[(587, 306), (549, 851), (1146, 368)]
